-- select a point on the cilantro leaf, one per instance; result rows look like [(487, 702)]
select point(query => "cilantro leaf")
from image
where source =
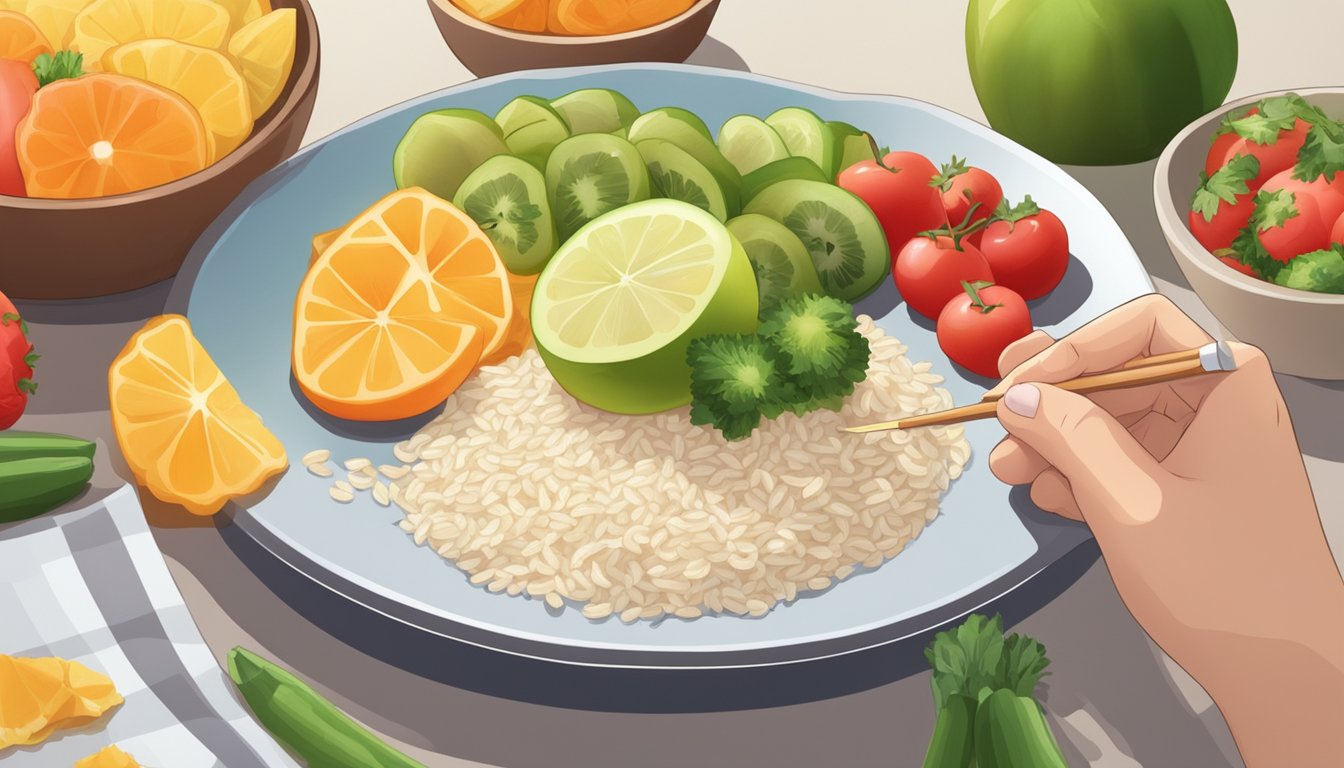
[(63, 66), (1273, 209), (1319, 271), (1263, 124), (1224, 185), (1022, 664), (1322, 153), (1248, 249), (966, 660), (949, 171)]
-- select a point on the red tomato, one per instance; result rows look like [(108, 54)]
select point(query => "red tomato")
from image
[(963, 186), (1337, 234), (16, 365), (1232, 262), (929, 272), (1278, 156), (1027, 249), (17, 86), (1223, 228), (899, 194), (1328, 194), (976, 326), (1303, 233)]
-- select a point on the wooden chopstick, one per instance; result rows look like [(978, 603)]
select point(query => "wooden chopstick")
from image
[(1212, 358)]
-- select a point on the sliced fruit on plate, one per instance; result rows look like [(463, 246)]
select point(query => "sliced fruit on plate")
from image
[(529, 16), (105, 134), (689, 132), (244, 12), (807, 135), (506, 196), (673, 173), (855, 146), (442, 147), (397, 312), (106, 24), (596, 110), (108, 757), (591, 174), (748, 143), (780, 170), (519, 336), (531, 128), (488, 10), (840, 232), (20, 38), (616, 309), (609, 17), (203, 76), (779, 259), (322, 241), (56, 18), (184, 432), (44, 694), (264, 49)]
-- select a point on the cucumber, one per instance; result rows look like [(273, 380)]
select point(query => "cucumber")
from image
[(855, 145), (507, 197), (596, 110), (953, 742), (531, 129), (1011, 732), (807, 135), (781, 262), (673, 173), (748, 143), (690, 133), (844, 238), (30, 487), (33, 445), (591, 174), (442, 147), (780, 170)]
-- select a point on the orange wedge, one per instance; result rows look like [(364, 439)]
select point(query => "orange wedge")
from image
[(609, 17), (487, 10), (56, 18), (20, 38), (108, 757), (105, 134), (41, 695), (183, 431), (397, 312), (321, 242), (106, 24), (528, 16)]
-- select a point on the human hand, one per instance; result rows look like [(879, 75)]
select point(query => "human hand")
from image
[(1198, 497)]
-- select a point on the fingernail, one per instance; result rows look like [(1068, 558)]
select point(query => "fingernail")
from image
[(1023, 399)]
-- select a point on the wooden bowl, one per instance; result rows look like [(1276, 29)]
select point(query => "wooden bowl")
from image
[(1298, 330), (74, 249), (489, 50)]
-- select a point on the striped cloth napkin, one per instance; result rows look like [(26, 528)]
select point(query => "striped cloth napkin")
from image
[(91, 586)]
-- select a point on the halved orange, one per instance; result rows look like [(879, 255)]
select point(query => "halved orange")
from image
[(184, 432), (20, 38), (608, 17), (104, 134), (397, 312), (529, 16)]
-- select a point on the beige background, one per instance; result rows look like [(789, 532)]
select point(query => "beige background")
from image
[(1114, 698)]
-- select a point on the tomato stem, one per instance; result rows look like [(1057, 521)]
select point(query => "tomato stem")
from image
[(961, 230), (973, 290)]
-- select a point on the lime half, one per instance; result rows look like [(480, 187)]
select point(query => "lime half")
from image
[(617, 306)]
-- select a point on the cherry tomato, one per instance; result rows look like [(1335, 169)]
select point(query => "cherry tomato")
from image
[(1303, 233), (16, 365), (1337, 233), (898, 192), (1027, 249), (1223, 228), (962, 187), (976, 326), (930, 270), (1232, 262), (1328, 193), (1280, 155), (17, 86)]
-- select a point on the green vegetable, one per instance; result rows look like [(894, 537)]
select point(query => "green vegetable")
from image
[(1224, 185), (1322, 151), (305, 722), (1319, 271), (35, 445), (735, 380), (1271, 116), (63, 66), (33, 486), (1099, 82), (982, 688), (819, 346), (1272, 209)]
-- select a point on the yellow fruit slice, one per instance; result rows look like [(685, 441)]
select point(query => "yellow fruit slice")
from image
[(41, 695), (244, 12), (265, 52), (488, 10), (184, 432), (203, 76), (108, 757), (56, 18), (106, 24), (321, 242), (397, 312)]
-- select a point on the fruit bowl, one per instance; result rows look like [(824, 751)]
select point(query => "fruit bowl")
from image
[(486, 49), (1296, 329), (74, 249)]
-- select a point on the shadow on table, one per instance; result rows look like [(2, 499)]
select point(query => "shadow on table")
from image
[(1127, 193), (1318, 420), (715, 53)]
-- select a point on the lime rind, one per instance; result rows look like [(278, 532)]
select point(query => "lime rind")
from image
[(596, 110), (790, 168)]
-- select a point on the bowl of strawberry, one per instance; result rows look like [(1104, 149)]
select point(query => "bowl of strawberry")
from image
[(963, 256), (1251, 200)]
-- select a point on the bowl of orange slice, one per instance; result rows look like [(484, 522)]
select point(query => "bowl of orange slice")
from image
[(127, 126), (494, 36)]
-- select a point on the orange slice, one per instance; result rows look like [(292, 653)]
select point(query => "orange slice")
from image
[(609, 17), (108, 757), (184, 432), (528, 16), (487, 10), (322, 241), (264, 50), (519, 336), (108, 23), (41, 695), (107, 134), (20, 38), (397, 312), (56, 18), (244, 12)]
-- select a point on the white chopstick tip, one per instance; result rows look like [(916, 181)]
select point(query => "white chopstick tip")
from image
[(1217, 357)]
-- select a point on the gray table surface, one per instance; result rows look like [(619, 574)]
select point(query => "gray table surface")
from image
[(1114, 698)]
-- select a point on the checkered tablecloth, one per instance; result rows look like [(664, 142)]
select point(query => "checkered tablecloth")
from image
[(91, 586)]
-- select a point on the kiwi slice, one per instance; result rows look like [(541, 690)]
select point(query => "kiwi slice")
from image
[(507, 197), (531, 128), (596, 110), (689, 132), (675, 174), (781, 262), (840, 232), (591, 174), (780, 170)]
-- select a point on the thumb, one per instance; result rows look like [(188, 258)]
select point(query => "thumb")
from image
[(1112, 476)]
